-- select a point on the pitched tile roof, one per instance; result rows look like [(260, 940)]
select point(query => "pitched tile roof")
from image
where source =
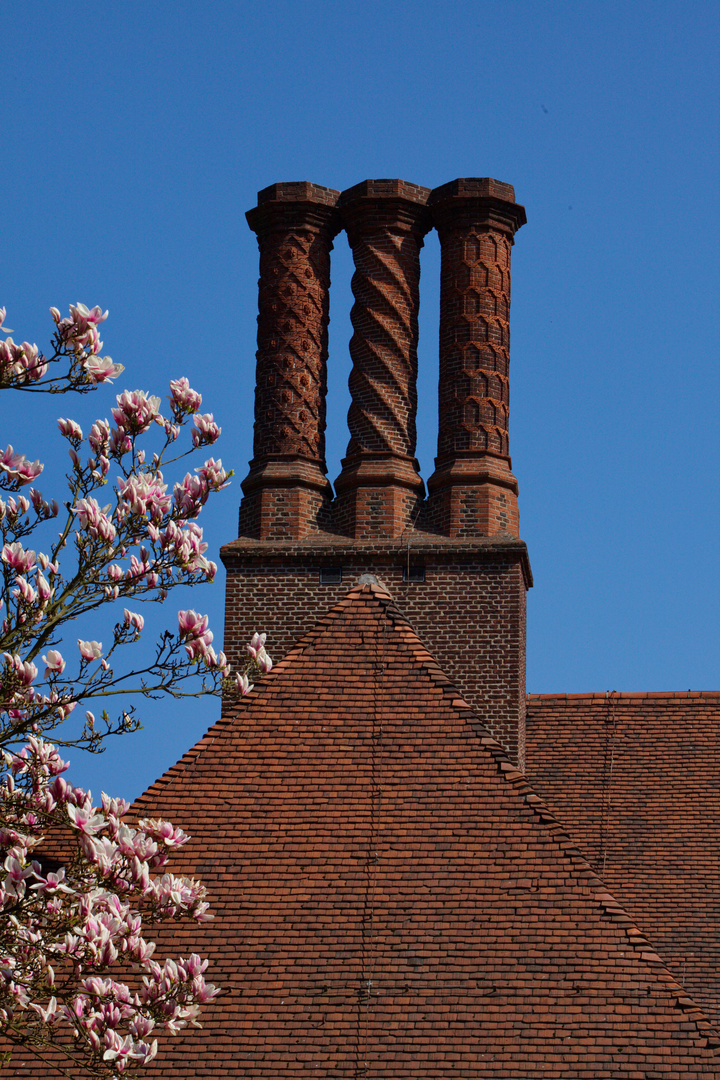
[(635, 779), (392, 899)]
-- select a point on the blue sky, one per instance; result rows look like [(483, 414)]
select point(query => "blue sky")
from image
[(135, 136)]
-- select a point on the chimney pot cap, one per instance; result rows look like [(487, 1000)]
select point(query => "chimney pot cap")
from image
[(298, 191), (483, 187), (385, 189)]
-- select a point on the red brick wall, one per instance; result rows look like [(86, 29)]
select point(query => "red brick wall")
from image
[(469, 611)]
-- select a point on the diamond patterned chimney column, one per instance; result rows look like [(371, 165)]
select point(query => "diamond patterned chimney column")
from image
[(286, 490), (472, 491), (379, 488)]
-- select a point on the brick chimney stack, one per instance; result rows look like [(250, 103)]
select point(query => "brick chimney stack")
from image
[(453, 562), (472, 491), (287, 491), (379, 490)]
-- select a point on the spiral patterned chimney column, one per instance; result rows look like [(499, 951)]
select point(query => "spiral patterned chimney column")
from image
[(286, 491), (472, 491), (379, 488)]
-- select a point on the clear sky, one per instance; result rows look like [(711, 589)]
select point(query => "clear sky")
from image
[(135, 135)]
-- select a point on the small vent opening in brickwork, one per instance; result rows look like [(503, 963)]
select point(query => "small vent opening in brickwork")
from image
[(330, 575), (413, 573)]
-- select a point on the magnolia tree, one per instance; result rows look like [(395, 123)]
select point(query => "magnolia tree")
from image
[(119, 535)]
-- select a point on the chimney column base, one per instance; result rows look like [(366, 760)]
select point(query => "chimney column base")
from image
[(474, 496), (378, 495), (284, 500)]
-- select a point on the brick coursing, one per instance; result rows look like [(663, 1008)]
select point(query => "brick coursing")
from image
[(469, 611)]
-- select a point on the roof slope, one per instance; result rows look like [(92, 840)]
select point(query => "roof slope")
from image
[(392, 900), (635, 778)]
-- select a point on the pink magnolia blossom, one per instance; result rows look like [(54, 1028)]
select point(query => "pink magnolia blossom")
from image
[(50, 1014), (100, 369), (42, 508), (95, 520), (136, 411), (54, 882), (132, 619), (70, 429), (197, 648), (256, 643), (194, 628), (264, 662), (80, 315), (90, 650), (15, 876), (214, 475), (191, 624), (44, 590), (24, 671), (256, 650), (191, 495), (17, 557), (123, 1049), (94, 315), (79, 330), (164, 831), (76, 921), (54, 663), (186, 540), (99, 437), (143, 495), (22, 361), (212, 659), (114, 807), (79, 923), (85, 820), (243, 684), (14, 508), (18, 467), (120, 443), (206, 430), (183, 398)]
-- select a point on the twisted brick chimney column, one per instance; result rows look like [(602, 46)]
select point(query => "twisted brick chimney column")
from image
[(472, 491), (287, 491), (380, 487)]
